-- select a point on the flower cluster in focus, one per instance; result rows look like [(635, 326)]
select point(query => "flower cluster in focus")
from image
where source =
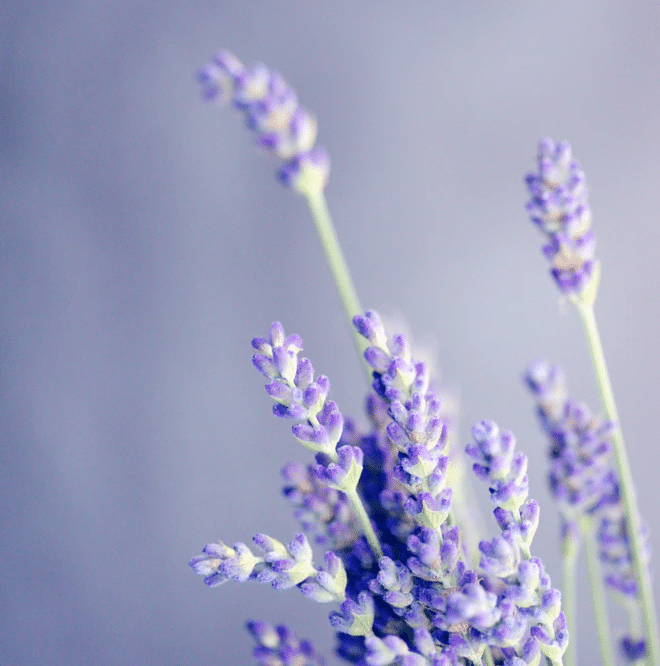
[(406, 593)]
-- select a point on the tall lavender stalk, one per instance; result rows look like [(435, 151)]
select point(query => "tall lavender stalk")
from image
[(558, 206), (287, 130)]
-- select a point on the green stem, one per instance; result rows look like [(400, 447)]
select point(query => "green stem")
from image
[(598, 597), (349, 298), (338, 267), (569, 566), (634, 532), (363, 518), (488, 657)]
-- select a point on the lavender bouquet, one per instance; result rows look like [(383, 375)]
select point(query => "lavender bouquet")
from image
[(386, 529)]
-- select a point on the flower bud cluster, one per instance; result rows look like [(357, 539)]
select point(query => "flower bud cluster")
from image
[(324, 513), (527, 602), (417, 603), (584, 482), (282, 566), (581, 475), (416, 428), (271, 110), (558, 206), (299, 396), (279, 645)]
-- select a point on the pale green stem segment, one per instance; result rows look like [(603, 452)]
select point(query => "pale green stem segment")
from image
[(598, 599), (642, 577), (363, 518), (488, 658), (569, 560), (349, 298), (338, 266)]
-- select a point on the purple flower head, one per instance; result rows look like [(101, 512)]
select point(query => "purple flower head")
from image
[(356, 617), (285, 566), (615, 555), (558, 206), (548, 385), (330, 582), (435, 553), (279, 645), (553, 639), (297, 394), (323, 512), (218, 563), (633, 649), (394, 583), (271, 110), (504, 469), (343, 474), (471, 605)]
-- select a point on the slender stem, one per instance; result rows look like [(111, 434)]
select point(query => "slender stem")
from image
[(338, 267), (598, 598), (363, 518), (642, 577), (349, 298), (569, 565)]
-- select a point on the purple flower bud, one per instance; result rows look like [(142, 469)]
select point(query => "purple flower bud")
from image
[(500, 556), (271, 110), (553, 640), (558, 207), (356, 618), (633, 649), (304, 374), (306, 172), (330, 583), (219, 563), (265, 366), (345, 473), (279, 645), (370, 327), (378, 359), (286, 362), (381, 652), (428, 510)]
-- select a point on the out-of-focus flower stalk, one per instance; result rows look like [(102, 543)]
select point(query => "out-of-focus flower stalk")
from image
[(627, 488), (337, 264), (559, 208), (597, 589)]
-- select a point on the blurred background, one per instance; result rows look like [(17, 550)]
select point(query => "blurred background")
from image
[(145, 241)]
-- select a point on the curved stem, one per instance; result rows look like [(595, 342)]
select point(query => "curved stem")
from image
[(598, 596), (642, 577), (338, 267), (365, 523)]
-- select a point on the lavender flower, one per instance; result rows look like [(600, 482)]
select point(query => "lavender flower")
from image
[(558, 206), (279, 645), (416, 427), (527, 601), (271, 110), (324, 513), (281, 566), (581, 476), (585, 484)]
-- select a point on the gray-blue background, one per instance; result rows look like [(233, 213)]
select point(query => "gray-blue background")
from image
[(145, 242)]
